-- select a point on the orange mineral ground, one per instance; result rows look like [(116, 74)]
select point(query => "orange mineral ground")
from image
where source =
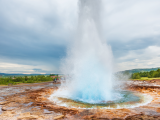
[(30, 102)]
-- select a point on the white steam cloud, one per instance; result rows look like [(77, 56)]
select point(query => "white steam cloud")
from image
[(89, 59)]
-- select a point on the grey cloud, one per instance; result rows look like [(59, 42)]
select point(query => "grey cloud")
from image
[(122, 48), (38, 32), (131, 19), (28, 34), (39, 70)]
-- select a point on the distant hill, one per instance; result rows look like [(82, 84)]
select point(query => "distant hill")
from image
[(124, 72), (5, 74), (2, 73), (140, 70)]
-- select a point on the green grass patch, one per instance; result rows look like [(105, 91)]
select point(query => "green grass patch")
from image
[(146, 78), (24, 79)]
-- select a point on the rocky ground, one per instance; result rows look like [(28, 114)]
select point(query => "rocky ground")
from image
[(29, 102)]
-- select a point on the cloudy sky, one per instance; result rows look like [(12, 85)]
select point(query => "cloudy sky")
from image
[(34, 34)]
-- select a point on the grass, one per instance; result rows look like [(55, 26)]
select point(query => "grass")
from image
[(25, 79), (146, 78)]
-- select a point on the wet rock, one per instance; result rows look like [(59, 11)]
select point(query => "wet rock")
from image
[(4, 109), (89, 117), (158, 110), (60, 109), (3, 103), (117, 119), (28, 104), (27, 116), (39, 112), (7, 108), (7, 114), (152, 81), (58, 117), (109, 102), (45, 111), (85, 113), (142, 117), (10, 84), (27, 89), (159, 93), (31, 117)]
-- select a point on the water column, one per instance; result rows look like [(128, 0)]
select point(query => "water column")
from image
[(89, 58)]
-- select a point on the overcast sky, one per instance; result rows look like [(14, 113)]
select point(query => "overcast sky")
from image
[(34, 34)]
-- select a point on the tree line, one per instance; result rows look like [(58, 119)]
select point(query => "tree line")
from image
[(25, 79), (151, 74)]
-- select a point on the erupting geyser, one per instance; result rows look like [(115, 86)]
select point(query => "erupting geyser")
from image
[(89, 60), (88, 65)]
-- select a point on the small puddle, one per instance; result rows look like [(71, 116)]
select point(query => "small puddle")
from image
[(45, 111), (29, 109), (0, 109), (22, 95), (1, 98), (10, 108), (28, 104)]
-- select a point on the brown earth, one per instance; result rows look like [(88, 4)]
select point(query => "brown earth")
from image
[(30, 103)]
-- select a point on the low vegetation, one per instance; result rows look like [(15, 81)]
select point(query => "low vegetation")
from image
[(149, 75), (25, 79)]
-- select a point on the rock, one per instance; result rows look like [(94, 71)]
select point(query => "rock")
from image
[(117, 119), (152, 81), (59, 117), (31, 117), (10, 84), (158, 110), (109, 102), (27, 89), (7, 109), (3, 103), (27, 116), (4, 109), (47, 111), (89, 117), (158, 93), (142, 117), (7, 114)]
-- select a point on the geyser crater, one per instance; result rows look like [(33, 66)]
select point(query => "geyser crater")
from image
[(123, 99)]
